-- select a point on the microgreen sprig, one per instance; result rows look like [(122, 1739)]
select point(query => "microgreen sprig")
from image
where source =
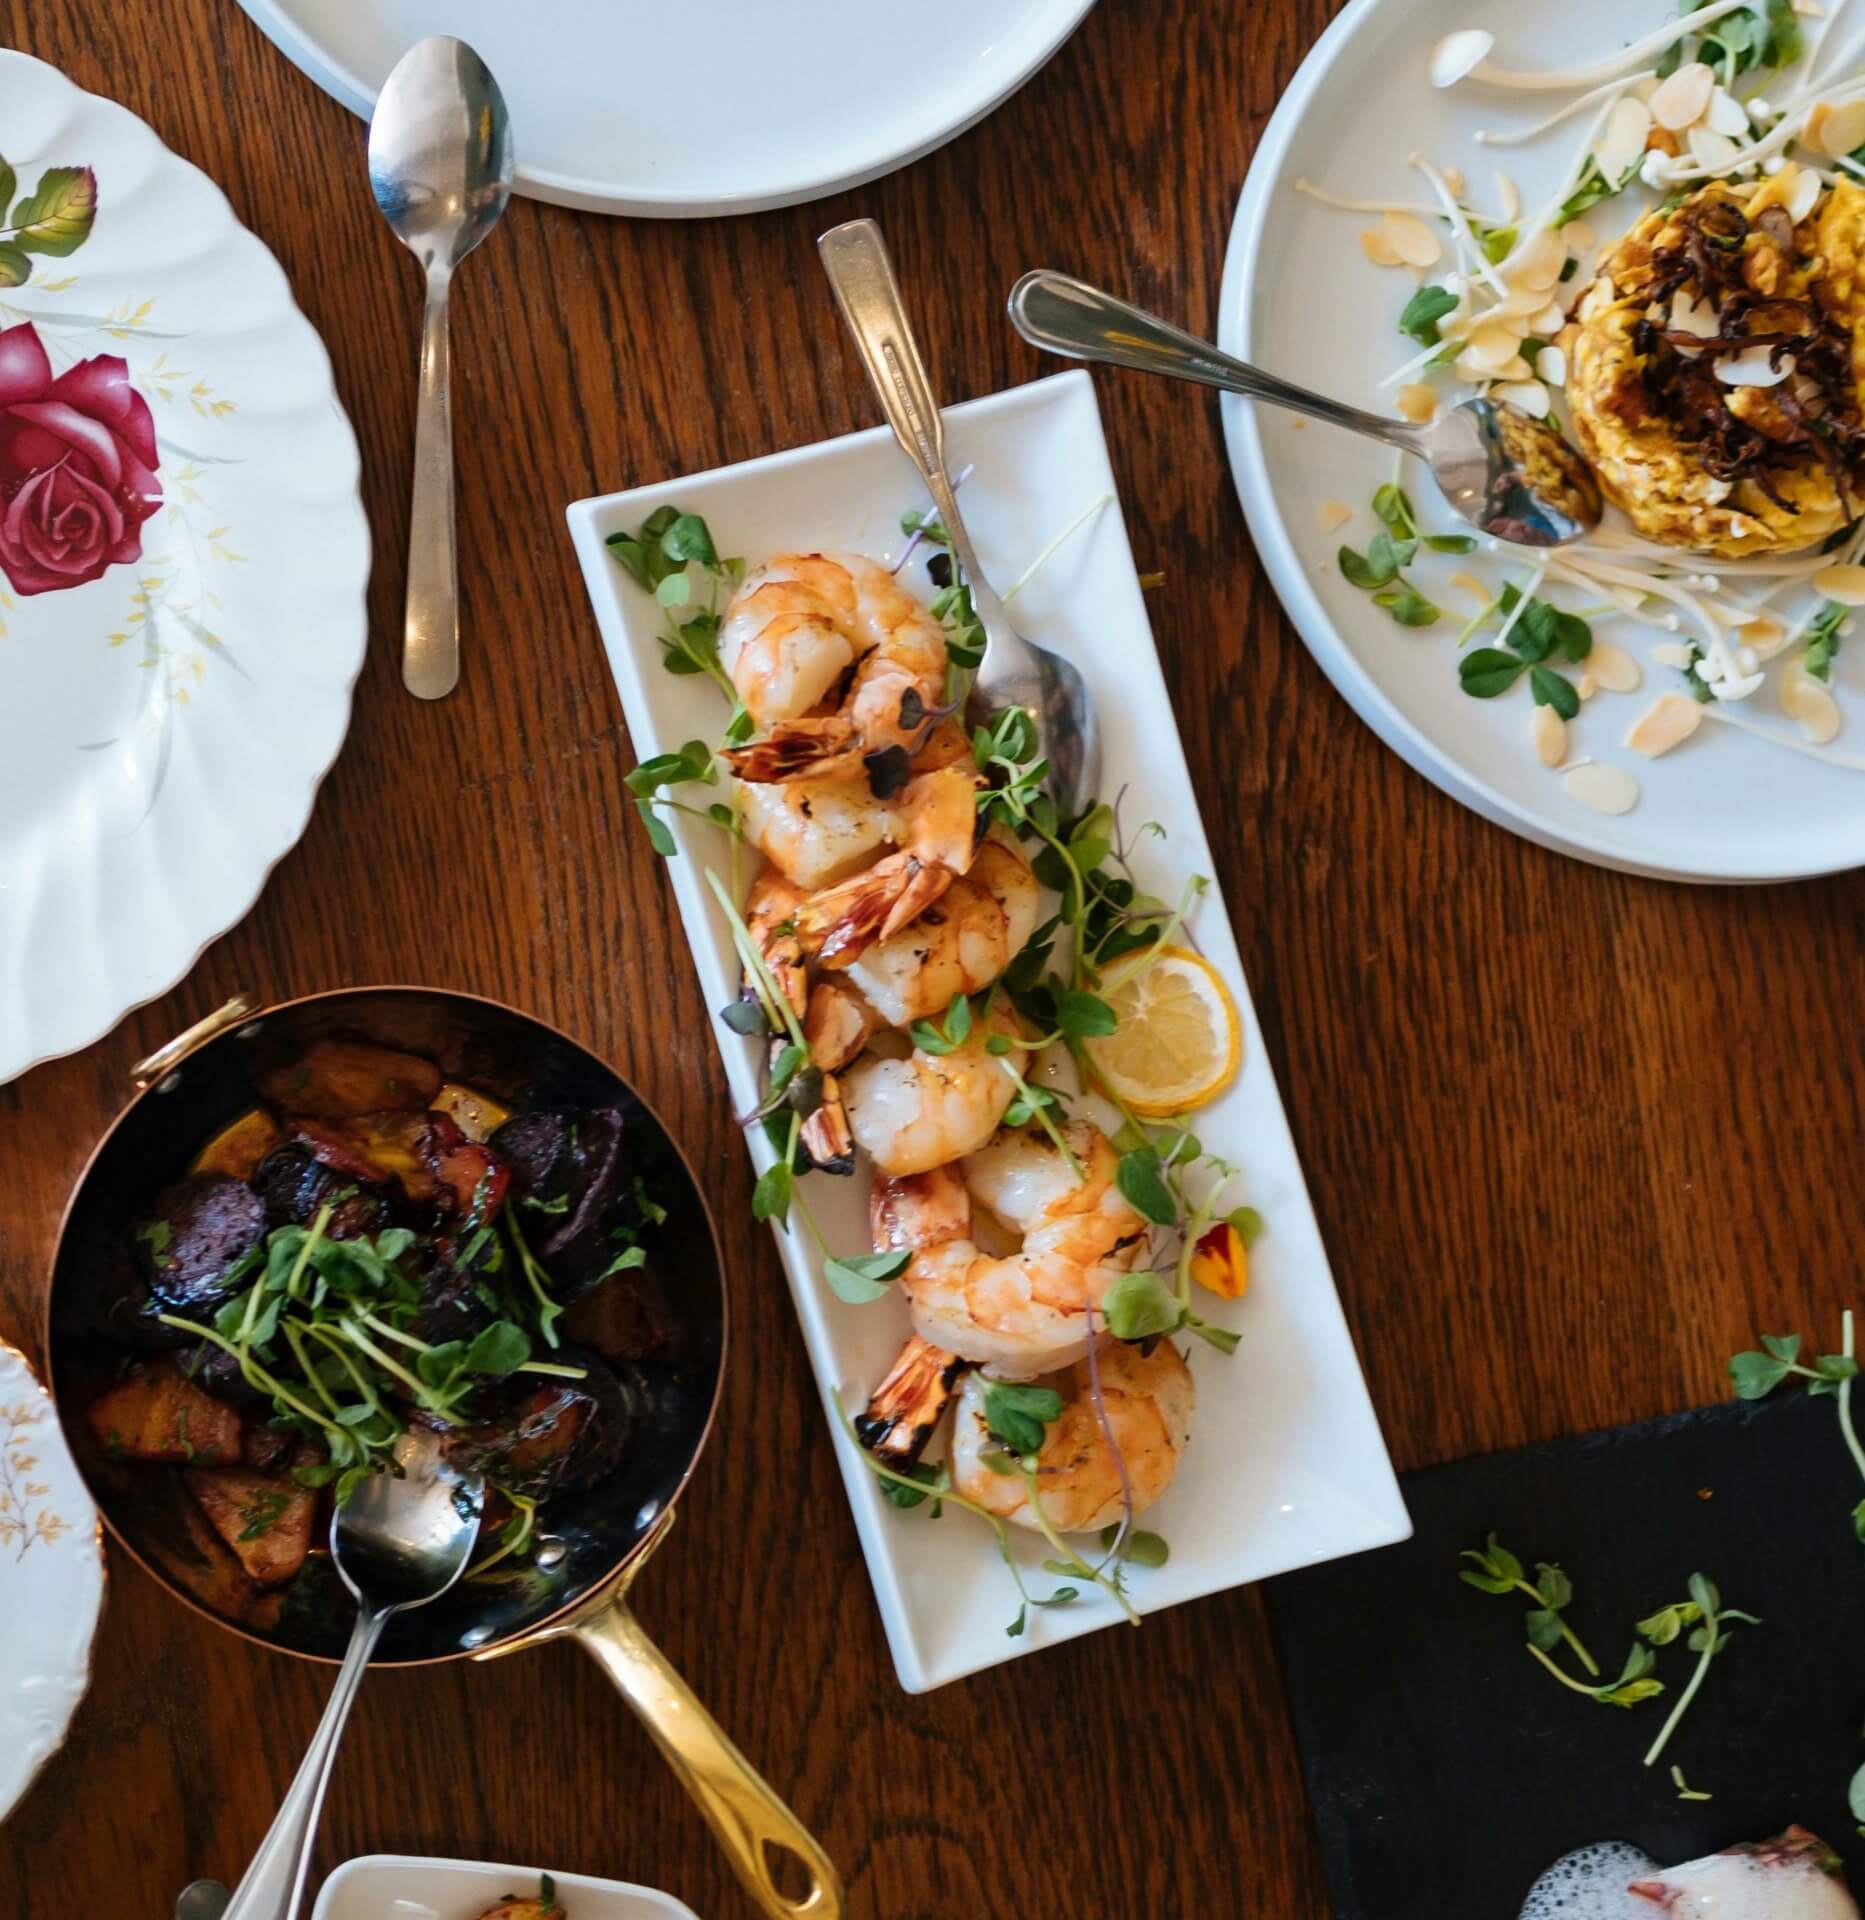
[(1757, 1374), (1497, 1570), (1707, 1640)]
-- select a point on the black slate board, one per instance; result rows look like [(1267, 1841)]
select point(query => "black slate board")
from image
[(1445, 1770)]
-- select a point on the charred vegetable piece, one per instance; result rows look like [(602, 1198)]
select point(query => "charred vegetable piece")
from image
[(625, 1320), (294, 1184), (567, 1169), (195, 1244), (214, 1370), (424, 1154), (238, 1149), (473, 1178), (906, 1407), (265, 1518), (476, 1114), (461, 1293), (157, 1414), (561, 1438), (267, 1449), (337, 1079)]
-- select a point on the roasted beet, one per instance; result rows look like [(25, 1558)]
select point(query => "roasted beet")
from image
[(461, 1293), (566, 1169), (214, 1370), (294, 1184), (559, 1437), (197, 1238)]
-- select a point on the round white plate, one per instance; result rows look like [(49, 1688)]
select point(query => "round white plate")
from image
[(51, 1580), (183, 556), (1299, 297), (715, 106)]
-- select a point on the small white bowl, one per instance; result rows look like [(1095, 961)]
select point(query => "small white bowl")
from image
[(404, 1886)]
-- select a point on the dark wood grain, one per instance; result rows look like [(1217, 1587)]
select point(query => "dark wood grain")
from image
[(1573, 1137)]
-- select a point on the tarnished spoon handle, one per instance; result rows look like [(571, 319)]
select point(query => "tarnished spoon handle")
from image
[(431, 634), (1067, 316), (273, 1886), (855, 258)]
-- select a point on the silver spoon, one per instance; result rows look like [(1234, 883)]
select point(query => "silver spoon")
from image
[(1013, 673), (440, 164), (1507, 473), (400, 1540)]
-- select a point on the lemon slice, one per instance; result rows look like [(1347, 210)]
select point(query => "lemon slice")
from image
[(1179, 1040)]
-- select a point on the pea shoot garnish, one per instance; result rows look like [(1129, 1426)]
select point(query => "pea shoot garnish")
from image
[(1757, 1374), (1708, 1621)]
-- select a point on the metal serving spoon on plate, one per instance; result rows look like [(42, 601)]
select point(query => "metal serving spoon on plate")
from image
[(400, 1540), (1014, 672), (440, 165), (1507, 473)]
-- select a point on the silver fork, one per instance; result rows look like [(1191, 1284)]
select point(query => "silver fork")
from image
[(1014, 672)]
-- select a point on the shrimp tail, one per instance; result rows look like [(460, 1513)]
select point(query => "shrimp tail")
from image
[(824, 749), (841, 923), (825, 1136), (904, 1411)]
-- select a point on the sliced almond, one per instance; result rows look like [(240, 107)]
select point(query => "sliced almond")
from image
[(1810, 9), (1844, 584), (1548, 731), (1691, 315), (1333, 514), (1523, 303), (1493, 345), (1581, 239), (1615, 669), (1726, 115), (1810, 703), (1841, 129), (1470, 584), (1668, 722), (1510, 195), (1541, 262), (1454, 179), (1680, 101), (1549, 320), (1764, 636), (1714, 151), (1622, 139), (1753, 367), (1417, 403), (1378, 248), (1530, 395), (1604, 789), (1457, 55), (1551, 367), (1412, 240), (1672, 653)]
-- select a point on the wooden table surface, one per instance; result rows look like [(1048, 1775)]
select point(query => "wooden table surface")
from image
[(1573, 1137)]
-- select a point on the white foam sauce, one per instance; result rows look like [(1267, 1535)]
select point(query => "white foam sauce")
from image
[(1590, 1884)]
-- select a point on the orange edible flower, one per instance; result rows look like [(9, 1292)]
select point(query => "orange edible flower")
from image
[(1221, 1264)]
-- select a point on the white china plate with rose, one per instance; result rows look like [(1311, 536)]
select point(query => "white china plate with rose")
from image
[(1286, 1465), (1300, 297), (183, 556), (792, 104), (405, 1886), (51, 1580)]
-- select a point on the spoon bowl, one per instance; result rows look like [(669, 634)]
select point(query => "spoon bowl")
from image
[(440, 166), (1508, 474)]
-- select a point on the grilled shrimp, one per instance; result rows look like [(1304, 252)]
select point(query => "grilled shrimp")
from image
[(1148, 1399), (794, 629), (930, 1109), (1025, 1313)]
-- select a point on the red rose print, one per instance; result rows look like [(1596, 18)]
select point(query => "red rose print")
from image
[(77, 466)]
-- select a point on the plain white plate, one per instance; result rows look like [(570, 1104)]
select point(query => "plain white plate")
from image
[(404, 1886), (51, 1580), (1299, 297), (717, 106), (164, 726), (1286, 1465)]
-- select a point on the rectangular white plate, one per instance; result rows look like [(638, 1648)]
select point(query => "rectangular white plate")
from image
[(403, 1886), (1286, 1466)]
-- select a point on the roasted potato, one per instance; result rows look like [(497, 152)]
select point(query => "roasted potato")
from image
[(238, 1149), (195, 1242), (157, 1414), (265, 1518), (560, 1438), (337, 1079)]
